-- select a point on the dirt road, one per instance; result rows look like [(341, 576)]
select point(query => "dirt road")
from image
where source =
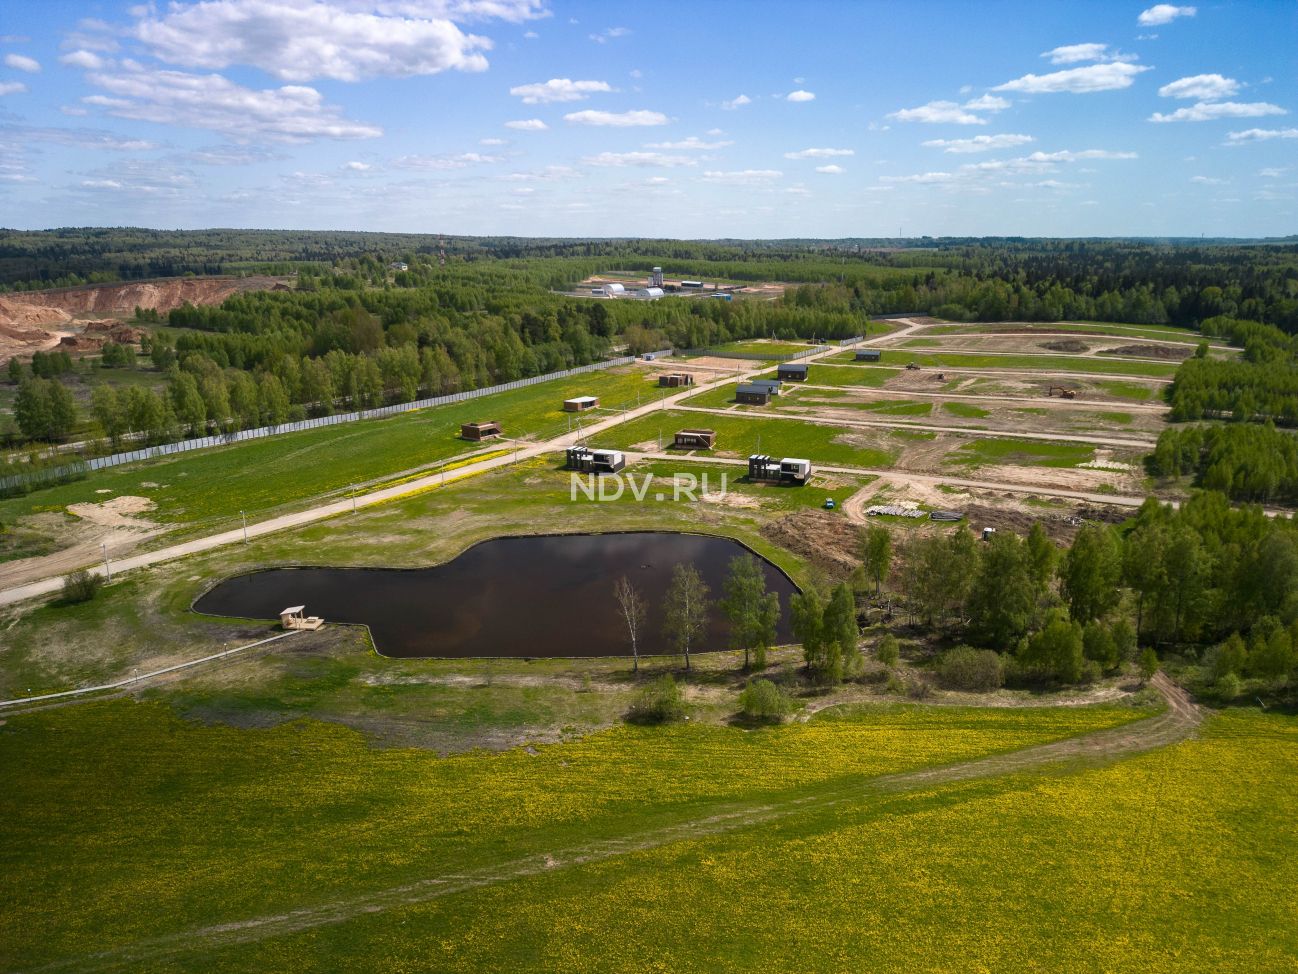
[(1178, 722)]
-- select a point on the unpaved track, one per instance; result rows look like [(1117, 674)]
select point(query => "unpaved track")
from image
[(1177, 723), (871, 394), (1020, 372)]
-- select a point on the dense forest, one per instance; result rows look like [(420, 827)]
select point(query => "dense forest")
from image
[(1215, 583)]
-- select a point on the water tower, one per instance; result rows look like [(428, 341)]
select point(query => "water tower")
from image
[(656, 278)]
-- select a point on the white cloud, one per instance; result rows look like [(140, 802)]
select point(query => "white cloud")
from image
[(616, 119), (297, 40), (979, 143), (800, 95), (1272, 173), (938, 112), (1261, 135), (1207, 111), (79, 138), (1076, 53), (558, 90), (988, 103), (657, 181), (441, 163), (21, 62), (357, 167), (1109, 76), (1066, 155), (924, 178), (1163, 13), (693, 142), (12, 87), (83, 59), (743, 177), (610, 33), (736, 102), (819, 153), (527, 125), (1208, 181), (101, 184), (493, 142), (1208, 87), (637, 159), (289, 114), (831, 170)]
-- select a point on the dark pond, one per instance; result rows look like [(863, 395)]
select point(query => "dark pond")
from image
[(546, 596)]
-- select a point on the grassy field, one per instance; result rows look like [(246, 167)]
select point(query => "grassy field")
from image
[(740, 436), (866, 375), (965, 410), (263, 475), (1165, 333), (1024, 452), (307, 813), (1128, 390), (765, 349), (1039, 363)]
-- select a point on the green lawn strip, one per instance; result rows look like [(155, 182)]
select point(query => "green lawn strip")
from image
[(765, 349), (1025, 452), (865, 375), (965, 410), (740, 436), (261, 475), (1155, 332), (271, 820), (1127, 390), (1064, 868)]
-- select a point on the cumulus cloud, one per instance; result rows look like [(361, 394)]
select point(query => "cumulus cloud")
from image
[(83, 59), (1207, 111), (616, 119), (693, 142), (800, 95), (743, 177), (979, 143), (737, 102), (1066, 155), (1261, 135), (357, 167), (1077, 53), (938, 112), (527, 125), (1208, 180), (557, 90), (289, 114), (1207, 87), (78, 138), (988, 103), (1108, 76), (12, 88), (297, 40), (819, 153), (493, 142), (831, 170), (21, 62), (440, 163), (654, 159), (923, 178), (1164, 13)]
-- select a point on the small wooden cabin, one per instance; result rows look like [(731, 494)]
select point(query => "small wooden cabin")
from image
[(673, 380), (579, 404), (753, 394), (868, 355), (480, 431), (695, 439), (791, 372)]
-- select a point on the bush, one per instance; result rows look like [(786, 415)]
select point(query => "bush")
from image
[(659, 703), (1148, 663), (763, 700), (1229, 687), (888, 651), (966, 668), (1091, 672), (81, 586)]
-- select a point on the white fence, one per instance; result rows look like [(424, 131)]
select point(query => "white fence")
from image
[(49, 474)]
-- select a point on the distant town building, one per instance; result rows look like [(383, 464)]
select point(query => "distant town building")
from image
[(673, 380), (480, 431), (753, 394), (695, 439), (771, 385), (792, 372), (868, 355), (587, 460), (790, 470), (579, 404)]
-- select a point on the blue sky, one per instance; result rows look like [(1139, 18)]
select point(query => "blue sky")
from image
[(703, 119)]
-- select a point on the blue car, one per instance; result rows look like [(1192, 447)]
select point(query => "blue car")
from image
[(829, 503)]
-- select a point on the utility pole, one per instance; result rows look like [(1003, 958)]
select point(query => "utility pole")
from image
[(108, 570), (245, 526)]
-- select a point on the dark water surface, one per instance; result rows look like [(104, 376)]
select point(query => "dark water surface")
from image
[(546, 596)]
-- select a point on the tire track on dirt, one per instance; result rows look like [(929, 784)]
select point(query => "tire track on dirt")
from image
[(1178, 722)]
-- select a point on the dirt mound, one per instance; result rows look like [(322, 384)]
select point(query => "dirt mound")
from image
[(19, 312), (123, 299), (828, 541), (1070, 345), (1151, 351), (115, 513)]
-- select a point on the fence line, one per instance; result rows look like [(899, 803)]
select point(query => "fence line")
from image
[(81, 467)]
